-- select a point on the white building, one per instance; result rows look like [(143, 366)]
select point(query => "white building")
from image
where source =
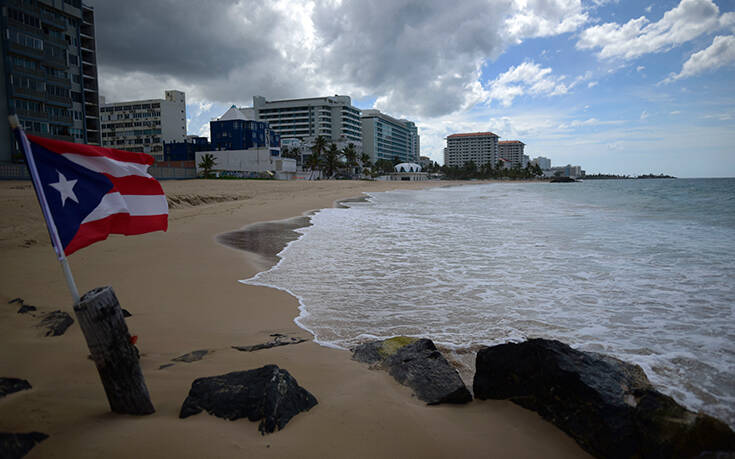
[(252, 162), (478, 147), (512, 151), (385, 137), (143, 125), (332, 117), (543, 163)]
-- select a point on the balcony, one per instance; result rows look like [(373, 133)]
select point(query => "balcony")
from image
[(25, 70), (25, 50), (30, 114), (28, 92), (53, 20), (66, 119)]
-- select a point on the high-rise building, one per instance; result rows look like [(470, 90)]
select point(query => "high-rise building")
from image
[(478, 147), (144, 125), (384, 137), (332, 117), (543, 163), (48, 71), (512, 150)]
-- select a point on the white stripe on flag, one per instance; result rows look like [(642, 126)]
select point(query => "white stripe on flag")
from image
[(110, 166), (135, 205)]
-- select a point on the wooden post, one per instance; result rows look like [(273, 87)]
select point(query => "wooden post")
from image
[(104, 328)]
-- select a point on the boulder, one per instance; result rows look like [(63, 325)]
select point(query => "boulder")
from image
[(416, 363), (608, 406), (56, 323), (126, 313), (269, 394), (10, 385), (278, 340), (17, 445), (26, 308)]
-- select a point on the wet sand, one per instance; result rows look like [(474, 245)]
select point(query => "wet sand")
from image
[(183, 291)]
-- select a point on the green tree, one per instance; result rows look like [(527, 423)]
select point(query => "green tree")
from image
[(350, 155), (365, 161), (314, 161), (331, 161), (207, 163)]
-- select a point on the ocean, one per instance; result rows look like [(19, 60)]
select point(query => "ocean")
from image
[(643, 270)]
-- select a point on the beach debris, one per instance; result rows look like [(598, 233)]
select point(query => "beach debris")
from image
[(17, 445), (416, 363), (56, 323), (278, 340), (165, 365), (16, 300), (607, 405), (25, 308), (11, 385), (269, 394), (192, 356), (126, 313)]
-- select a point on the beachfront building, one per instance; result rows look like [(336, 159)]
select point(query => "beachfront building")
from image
[(385, 137), (48, 72), (331, 117), (564, 171), (512, 151), (144, 125), (543, 163), (244, 147), (185, 151), (478, 147)]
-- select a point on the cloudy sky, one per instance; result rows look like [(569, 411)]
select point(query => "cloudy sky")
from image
[(616, 86)]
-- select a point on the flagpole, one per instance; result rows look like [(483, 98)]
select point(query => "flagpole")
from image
[(50, 225)]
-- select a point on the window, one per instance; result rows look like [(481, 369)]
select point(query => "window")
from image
[(23, 39)]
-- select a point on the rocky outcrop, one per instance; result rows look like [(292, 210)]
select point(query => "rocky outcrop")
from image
[(10, 385), (278, 340), (416, 363), (269, 394), (17, 445), (608, 406), (56, 323)]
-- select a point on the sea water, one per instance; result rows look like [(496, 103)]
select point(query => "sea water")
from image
[(643, 270)]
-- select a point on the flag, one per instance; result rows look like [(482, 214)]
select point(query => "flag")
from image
[(91, 192)]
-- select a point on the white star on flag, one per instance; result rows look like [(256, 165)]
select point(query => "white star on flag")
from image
[(65, 188)]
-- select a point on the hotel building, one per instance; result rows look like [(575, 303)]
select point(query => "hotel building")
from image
[(512, 150), (543, 163), (332, 117), (478, 147), (144, 125), (384, 137), (48, 71)]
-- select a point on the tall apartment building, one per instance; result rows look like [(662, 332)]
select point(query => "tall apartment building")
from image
[(332, 117), (478, 147), (512, 150), (384, 137), (144, 125), (48, 71), (543, 163)]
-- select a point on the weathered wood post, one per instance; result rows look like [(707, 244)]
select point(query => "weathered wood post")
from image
[(117, 360)]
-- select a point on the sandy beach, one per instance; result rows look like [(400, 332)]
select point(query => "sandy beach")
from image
[(182, 289)]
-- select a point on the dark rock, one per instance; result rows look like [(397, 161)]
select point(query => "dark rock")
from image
[(17, 445), (16, 300), (126, 313), (278, 340), (56, 323), (165, 365), (192, 356), (26, 308), (268, 394), (10, 385), (608, 406), (416, 363)]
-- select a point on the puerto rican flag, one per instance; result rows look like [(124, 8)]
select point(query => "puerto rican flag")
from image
[(92, 192)]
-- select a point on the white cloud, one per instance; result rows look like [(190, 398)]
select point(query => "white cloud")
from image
[(720, 53), (543, 18), (592, 84), (675, 112), (649, 8), (685, 22), (644, 115), (640, 68), (526, 78)]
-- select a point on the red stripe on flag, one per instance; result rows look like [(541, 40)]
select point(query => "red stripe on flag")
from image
[(135, 184), (61, 147), (98, 230)]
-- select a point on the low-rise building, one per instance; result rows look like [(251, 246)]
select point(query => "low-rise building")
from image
[(144, 125)]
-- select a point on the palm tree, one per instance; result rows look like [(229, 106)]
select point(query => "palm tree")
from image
[(350, 155), (331, 161), (207, 163), (315, 160), (365, 161)]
